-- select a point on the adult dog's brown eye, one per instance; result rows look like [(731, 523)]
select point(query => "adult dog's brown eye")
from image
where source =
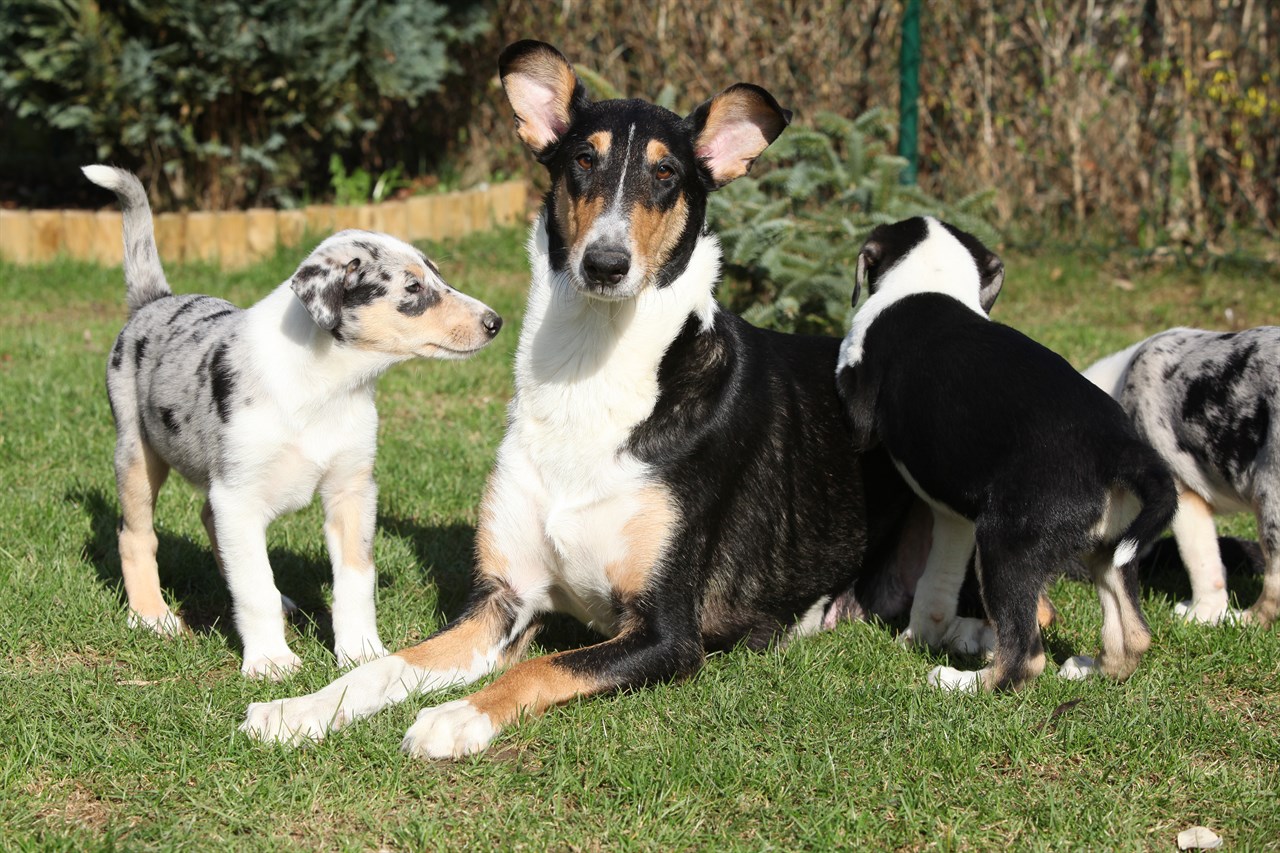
[(585, 162), (664, 172)]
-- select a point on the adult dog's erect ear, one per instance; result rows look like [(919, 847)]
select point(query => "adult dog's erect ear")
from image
[(543, 91), (320, 283), (732, 129)]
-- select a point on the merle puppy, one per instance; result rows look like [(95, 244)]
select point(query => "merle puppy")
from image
[(1204, 401), (1006, 442)]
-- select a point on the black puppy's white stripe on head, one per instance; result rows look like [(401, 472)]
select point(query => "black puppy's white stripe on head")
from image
[(920, 255)]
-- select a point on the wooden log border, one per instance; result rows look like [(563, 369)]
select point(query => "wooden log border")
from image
[(234, 239)]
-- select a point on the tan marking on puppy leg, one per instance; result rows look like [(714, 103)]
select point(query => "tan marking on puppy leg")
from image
[(490, 561), (1046, 613), (600, 141), (138, 483), (645, 535), (530, 688), (345, 522), (656, 232)]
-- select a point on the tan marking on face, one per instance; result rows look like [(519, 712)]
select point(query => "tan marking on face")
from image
[(655, 151), (532, 687), (345, 522), (655, 233), (646, 536), (450, 324), (1046, 613), (600, 141), (574, 217), (417, 272)]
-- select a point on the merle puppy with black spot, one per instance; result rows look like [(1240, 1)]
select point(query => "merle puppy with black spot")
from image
[(262, 407), (1007, 443), (1205, 400)]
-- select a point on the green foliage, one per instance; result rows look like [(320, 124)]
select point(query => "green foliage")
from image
[(358, 186), (233, 101), (792, 231)]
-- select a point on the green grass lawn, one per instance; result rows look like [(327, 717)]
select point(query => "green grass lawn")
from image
[(111, 738)]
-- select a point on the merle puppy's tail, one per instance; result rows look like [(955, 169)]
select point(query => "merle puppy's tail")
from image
[(1145, 474), (143, 275)]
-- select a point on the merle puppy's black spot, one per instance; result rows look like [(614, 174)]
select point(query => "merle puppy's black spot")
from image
[(307, 272), (374, 252), (139, 352), (117, 353), (365, 292), (223, 381), (215, 315), (417, 304), (185, 307), (429, 264), (169, 421)]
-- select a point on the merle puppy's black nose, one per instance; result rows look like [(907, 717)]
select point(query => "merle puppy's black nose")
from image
[(491, 322), (605, 266)]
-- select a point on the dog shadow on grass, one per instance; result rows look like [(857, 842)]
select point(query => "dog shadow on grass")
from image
[(189, 575)]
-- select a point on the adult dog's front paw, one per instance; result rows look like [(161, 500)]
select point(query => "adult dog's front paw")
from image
[(295, 721), (451, 730)]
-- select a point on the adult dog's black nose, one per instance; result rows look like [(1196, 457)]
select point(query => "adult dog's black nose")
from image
[(605, 266), (491, 322)]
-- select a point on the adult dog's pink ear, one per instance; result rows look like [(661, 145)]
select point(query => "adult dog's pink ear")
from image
[(542, 89), (732, 129)]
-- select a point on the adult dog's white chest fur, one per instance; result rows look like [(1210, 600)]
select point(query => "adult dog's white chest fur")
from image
[(586, 375)]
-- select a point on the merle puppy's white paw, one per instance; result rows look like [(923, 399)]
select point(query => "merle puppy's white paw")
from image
[(167, 624), (270, 666), (360, 651), (451, 730)]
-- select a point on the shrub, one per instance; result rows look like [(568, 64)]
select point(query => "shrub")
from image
[(792, 230), (223, 103)]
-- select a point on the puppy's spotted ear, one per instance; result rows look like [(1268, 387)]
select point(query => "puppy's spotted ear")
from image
[(868, 258), (732, 129), (320, 283), (543, 91), (991, 274)]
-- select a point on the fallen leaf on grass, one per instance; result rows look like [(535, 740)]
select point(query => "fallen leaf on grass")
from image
[(1198, 838)]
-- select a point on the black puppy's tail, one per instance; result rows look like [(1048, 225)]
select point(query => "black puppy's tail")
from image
[(1145, 475), (143, 274)]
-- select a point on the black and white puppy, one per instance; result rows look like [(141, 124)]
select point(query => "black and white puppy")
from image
[(672, 476), (1007, 443), (1205, 400)]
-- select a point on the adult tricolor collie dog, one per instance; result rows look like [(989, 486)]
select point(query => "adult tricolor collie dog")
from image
[(1008, 445), (674, 477)]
